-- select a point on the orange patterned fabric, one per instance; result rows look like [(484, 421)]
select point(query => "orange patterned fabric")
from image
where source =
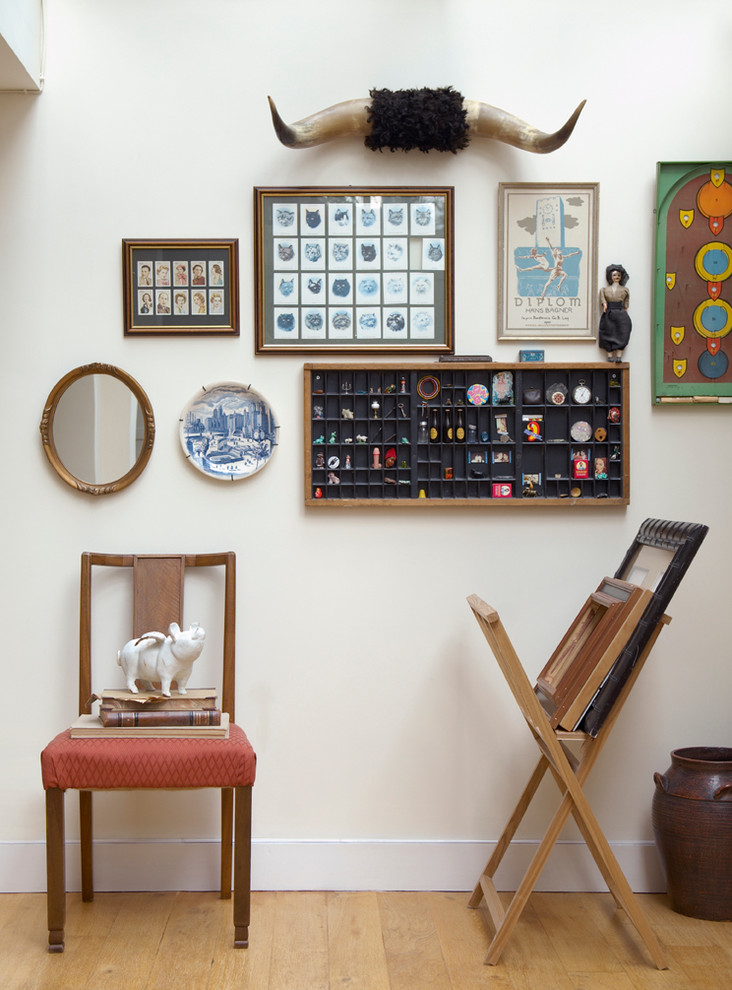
[(113, 764)]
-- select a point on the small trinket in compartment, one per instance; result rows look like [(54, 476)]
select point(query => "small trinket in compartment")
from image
[(580, 464), (532, 426), (503, 388), (556, 394), (530, 485), (581, 393), (423, 428), (477, 395), (502, 434), (581, 430)]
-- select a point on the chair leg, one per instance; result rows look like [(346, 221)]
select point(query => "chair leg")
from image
[(242, 865), (55, 869), (227, 834), (85, 836)]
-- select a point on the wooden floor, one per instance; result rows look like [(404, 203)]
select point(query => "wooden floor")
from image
[(353, 941)]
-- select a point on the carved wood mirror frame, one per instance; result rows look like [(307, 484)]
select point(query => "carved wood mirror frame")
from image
[(49, 445)]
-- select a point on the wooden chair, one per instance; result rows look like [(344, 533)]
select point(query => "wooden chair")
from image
[(92, 764), (570, 770)]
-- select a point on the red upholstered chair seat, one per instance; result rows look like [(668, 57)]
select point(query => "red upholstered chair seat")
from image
[(114, 764), (132, 762)]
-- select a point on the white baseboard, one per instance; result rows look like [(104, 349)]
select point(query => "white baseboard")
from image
[(327, 865)]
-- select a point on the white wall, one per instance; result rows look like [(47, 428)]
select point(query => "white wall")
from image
[(390, 752)]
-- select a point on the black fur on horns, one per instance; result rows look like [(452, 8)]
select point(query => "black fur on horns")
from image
[(428, 119)]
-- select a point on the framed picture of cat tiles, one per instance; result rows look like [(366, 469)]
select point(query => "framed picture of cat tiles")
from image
[(353, 269)]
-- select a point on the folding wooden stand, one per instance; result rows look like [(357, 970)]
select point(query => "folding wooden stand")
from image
[(570, 770)]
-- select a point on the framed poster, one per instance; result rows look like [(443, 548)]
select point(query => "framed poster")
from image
[(692, 298), (349, 269), (547, 261), (181, 287)]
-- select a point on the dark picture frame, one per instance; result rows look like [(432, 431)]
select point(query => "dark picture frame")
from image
[(658, 559), (181, 287), (353, 269)]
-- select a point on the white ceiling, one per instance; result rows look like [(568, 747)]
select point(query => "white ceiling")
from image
[(13, 74), (21, 43)]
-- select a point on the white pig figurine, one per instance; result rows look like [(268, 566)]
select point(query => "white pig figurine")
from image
[(155, 657)]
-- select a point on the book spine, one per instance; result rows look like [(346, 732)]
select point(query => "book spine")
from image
[(131, 720), (172, 704)]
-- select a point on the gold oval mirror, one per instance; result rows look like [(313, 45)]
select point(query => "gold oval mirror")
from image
[(98, 429)]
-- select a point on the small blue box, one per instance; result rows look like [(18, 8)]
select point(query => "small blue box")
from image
[(531, 355)]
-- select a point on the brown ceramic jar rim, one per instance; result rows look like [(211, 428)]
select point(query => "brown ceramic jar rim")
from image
[(704, 754)]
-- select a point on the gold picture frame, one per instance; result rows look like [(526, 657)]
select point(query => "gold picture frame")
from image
[(181, 287)]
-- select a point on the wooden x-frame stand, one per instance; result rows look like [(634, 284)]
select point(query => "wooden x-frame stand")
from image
[(570, 771)]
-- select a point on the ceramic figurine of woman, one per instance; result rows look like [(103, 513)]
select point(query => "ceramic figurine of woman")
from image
[(615, 325)]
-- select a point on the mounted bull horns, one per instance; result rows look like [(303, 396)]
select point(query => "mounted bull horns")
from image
[(428, 119)]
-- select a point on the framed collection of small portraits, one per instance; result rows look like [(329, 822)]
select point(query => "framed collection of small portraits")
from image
[(181, 287)]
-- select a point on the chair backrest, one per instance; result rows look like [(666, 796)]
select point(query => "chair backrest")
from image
[(158, 582)]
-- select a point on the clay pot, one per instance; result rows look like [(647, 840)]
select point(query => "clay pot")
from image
[(692, 824)]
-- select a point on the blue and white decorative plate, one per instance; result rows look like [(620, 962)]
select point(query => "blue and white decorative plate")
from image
[(228, 431)]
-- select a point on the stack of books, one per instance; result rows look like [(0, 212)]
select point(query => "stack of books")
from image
[(123, 714)]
